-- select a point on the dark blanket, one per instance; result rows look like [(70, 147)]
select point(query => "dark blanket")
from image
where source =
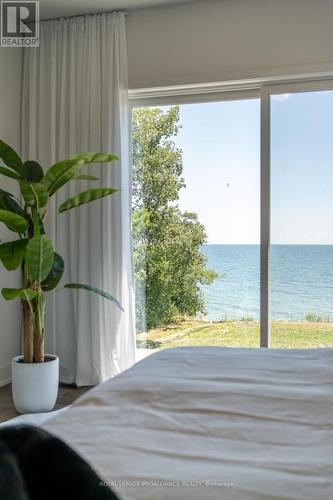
[(34, 465)]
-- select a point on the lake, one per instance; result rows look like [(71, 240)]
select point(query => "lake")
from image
[(301, 281)]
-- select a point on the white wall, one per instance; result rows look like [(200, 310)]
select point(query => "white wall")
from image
[(217, 40), (10, 98)]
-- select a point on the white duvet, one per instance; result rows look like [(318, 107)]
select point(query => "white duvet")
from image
[(211, 423)]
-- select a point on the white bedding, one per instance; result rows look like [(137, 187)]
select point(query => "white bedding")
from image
[(259, 419)]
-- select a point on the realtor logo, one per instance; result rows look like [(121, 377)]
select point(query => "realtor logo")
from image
[(19, 24)]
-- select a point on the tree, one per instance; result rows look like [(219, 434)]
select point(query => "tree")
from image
[(169, 265)]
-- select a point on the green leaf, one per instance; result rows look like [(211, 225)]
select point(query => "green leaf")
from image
[(11, 158), (9, 173), (79, 286), (34, 193), (34, 171), (8, 203), (22, 293), (55, 274), (12, 253), (36, 224), (59, 174), (39, 257), (63, 171), (85, 178), (13, 206), (95, 157), (86, 197), (13, 221)]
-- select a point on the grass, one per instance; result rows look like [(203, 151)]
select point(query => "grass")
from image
[(317, 318), (244, 333)]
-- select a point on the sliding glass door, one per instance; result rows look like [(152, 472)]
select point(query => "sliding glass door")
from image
[(233, 228)]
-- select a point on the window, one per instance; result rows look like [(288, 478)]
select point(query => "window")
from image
[(232, 247)]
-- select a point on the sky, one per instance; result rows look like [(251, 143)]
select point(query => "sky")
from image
[(221, 154)]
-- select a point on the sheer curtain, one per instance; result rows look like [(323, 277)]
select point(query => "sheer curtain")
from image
[(75, 100)]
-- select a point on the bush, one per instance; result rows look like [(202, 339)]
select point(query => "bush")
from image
[(317, 318)]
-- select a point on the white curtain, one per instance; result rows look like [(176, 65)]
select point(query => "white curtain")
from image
[(75, 100)]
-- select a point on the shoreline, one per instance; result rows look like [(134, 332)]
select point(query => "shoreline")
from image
[(237, 333), (198, 321), (253, 320)]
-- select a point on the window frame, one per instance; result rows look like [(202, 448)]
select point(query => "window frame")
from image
[(261, 89)]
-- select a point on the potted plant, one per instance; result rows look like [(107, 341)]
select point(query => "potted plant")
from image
[(35, 375)]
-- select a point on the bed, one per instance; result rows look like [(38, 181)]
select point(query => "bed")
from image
[(211, 423)]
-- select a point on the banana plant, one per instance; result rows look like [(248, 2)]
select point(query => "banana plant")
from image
[(31, 249)]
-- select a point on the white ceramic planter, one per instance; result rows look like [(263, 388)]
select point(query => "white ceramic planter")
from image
[(35, 385)]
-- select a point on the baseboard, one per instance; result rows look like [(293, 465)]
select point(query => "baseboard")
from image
[(66, 380), (5, 374), (5, 381)]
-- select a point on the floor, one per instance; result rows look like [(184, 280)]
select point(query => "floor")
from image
[(67, 394)]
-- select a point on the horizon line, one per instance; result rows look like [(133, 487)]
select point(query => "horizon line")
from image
[(272, 244)]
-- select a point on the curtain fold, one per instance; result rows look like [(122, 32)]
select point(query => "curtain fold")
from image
[(75, 100)]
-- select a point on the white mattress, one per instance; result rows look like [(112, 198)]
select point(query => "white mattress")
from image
[(211, 423)]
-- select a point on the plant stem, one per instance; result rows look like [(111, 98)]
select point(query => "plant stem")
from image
[(39, 327), (28, 321), (39, 348), (27, 332)]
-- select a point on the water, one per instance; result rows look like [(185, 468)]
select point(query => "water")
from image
[(301, 281)]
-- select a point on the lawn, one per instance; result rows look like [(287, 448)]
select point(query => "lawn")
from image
[(285, 334)]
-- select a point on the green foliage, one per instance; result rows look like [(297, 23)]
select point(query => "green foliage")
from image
[(13, 221), (158, 164), (39, 257), (22, 293), (42, 267), (169, 265), (12, 253), (34, 193), (98, 291), (85, 178), (55, 275), (7, 172), (317, 318), (7, 202), (235, 333), (86, 197), (247, 318), (63, 171), (11, 158), (59, 174), (95, 158), (34, 171)]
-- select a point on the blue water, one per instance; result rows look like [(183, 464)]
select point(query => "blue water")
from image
[(301, 281)]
